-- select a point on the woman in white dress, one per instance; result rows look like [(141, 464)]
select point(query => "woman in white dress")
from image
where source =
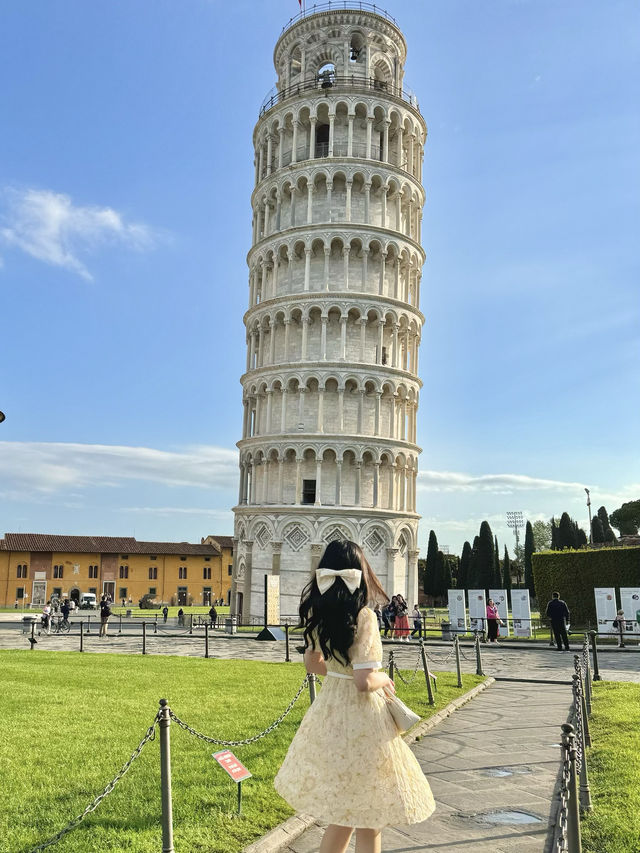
[(347, 765)]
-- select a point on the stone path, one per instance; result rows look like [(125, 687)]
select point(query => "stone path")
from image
[(504, 661), (498, 754)]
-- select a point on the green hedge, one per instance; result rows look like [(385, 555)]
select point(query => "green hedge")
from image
[(574, 574)]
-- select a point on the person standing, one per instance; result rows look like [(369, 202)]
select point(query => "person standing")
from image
[(165, 613), (213, 615), (46, 618), (105, 612), (65, 609), (401, 630), (493, 620), (385, 620), (417, 621), (347, 764), (558, 614)]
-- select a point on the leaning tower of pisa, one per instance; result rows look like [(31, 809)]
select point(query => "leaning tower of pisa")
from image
[(333, 326)]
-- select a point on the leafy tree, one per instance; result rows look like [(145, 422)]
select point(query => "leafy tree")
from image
[(541, 535), (485, 567), (430, 574), (597, 530), (463, 569), (529, 548), (506, 570), (627, 518)]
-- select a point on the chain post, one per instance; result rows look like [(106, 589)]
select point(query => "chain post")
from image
[(391, 666), (479, 670), (81, 635), (573, 807), (206, 639), (586, 664), (88, 624), (144, 638), (427, 674), (164, 722), (312, 688), (583, 703), (594, 646), (155, 625), (191, 623), (287, 657), (456, 645), (33, 640), (120, 623)]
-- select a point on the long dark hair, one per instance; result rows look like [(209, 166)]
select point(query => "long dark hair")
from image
[(330, 619)]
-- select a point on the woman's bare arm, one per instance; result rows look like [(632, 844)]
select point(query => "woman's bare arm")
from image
[(368, 680), (314, 662)]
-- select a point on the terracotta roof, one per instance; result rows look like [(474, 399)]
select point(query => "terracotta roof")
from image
[(100, 545), (223, 541)]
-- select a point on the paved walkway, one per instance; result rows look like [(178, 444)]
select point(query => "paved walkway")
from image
[(503, 661), (499, 753)]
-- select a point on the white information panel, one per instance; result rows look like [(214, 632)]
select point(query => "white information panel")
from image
[(477, 610), (273, 599), (457, 611), (630, 603), (605, 609), (500, 599), (521, 612)]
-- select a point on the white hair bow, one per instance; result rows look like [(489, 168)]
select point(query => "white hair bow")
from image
[(326, 577)]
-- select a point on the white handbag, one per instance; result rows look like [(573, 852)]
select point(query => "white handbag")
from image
[(403, 716)]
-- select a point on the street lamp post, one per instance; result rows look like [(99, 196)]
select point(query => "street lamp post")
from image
[(589, 508), (515, 520)]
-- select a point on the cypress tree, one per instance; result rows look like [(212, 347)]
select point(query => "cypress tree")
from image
[(463, 570), (485, 557), (430, 573), (529, 548), (506, 571), (497, 575), (554, 536), (567, 534), (473, 564), (581, 538), (597, 531), (447, 576), (609, 535)]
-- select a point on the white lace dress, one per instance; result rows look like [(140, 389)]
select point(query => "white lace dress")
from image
[(347, 765)]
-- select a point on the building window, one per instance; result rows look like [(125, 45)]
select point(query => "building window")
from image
[(124, 571), (229, 570), (93, 571), (93, 589), (57, 592), (153, 556), (207, 559), (123, 593), (124, 556), (21, 571), (152, 590), (308, 491), (206, 573), (182, 573), (153, 573), (183, 559), (57, 571), (20, 593)]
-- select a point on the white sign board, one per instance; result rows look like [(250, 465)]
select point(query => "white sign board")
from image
[(457, 611), (630, 603), (477, 610), (502, 603), (606, 609), (521, 612)]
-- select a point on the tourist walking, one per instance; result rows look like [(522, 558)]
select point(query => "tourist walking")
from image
[(386, 616), (105, 612), (558, 613), (165, 613), (493, 620), (401, 627), (347, 765), (46, 618), (417, 621), (181, 616), (213, 615)]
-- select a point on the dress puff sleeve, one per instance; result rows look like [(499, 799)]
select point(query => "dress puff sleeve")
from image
[(366, 651)]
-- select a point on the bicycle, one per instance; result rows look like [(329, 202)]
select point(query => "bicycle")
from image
[(60, 626)]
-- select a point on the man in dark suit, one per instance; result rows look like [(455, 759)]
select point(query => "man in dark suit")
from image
[(558, 613)]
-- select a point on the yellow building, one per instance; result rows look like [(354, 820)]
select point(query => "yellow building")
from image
[(34, 567)]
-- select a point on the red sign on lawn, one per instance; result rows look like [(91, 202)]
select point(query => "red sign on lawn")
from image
[(227, 760)]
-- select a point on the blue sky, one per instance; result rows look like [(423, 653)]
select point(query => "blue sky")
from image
[(126, 169)]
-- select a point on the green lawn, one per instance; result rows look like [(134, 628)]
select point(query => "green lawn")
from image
[(614, 770), (69, 721)]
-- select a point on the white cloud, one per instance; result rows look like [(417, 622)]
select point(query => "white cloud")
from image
[(46, 467), (452, 481), (49, 227)]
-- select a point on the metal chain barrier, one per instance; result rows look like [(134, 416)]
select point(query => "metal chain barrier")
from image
[(411, 679), (149, 735), (246, 741)]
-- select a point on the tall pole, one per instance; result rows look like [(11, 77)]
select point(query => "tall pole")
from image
[(589, 508), (515, 520)]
